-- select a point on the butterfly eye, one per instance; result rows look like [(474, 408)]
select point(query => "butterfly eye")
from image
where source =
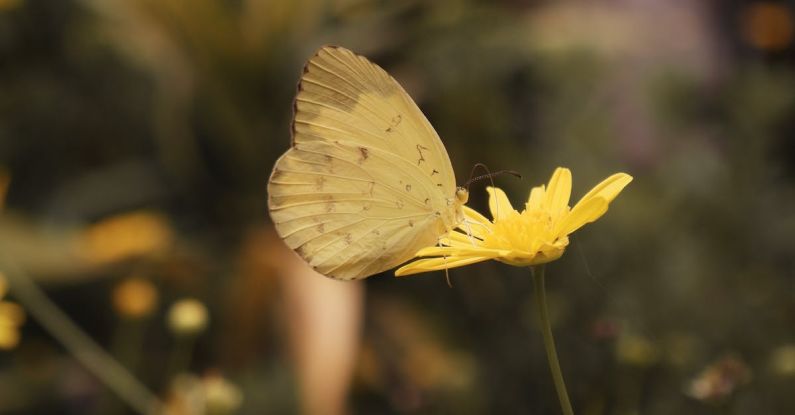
[(462, 195)]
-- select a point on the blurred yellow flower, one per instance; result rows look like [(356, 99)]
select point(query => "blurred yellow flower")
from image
[(782, 360), (135, 298), (211, 394), (768, 25), (535, 236), (636, 350), (187, 317), (11, 317), (6, 5), (126, 236)]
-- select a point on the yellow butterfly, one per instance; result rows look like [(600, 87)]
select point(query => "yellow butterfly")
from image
[(367, 181)]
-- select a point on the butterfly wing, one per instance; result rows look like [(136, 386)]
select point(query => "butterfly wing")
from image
[(367, 181)]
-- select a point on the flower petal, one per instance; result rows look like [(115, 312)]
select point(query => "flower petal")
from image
[(458, 251), (460, 239), (11, 314), (537, 195), (609, 188), (474, 223), (435, 264), (558, 192), (475, 216), (586, 211), (499, 204)]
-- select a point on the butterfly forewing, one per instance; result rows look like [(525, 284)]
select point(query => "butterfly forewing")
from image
[(367, 182)]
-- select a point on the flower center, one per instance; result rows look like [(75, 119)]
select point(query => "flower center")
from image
[(525, 232)]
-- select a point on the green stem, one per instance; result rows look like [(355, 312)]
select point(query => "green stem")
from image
[(181, 355), (115, 376), (549, 341)]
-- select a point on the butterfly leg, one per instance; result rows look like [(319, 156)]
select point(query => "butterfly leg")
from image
[(446, 270), (469, 231)]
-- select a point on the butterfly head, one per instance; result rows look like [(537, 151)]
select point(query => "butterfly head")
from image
[(461, 195)]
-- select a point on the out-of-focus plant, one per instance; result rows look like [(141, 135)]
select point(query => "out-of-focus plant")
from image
[(211, 394)]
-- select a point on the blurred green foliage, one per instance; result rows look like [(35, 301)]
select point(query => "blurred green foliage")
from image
[(181, 106)]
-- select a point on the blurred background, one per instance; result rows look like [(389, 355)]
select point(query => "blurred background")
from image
[(137, 137)]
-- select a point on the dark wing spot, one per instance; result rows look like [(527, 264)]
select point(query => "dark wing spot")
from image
[(394, 123), (411, 223), (419, 150), (365, 154), (408, 187), (427, 200), (434, 172)]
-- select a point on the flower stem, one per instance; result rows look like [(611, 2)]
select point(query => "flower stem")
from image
[(549, 342), (115, 376)]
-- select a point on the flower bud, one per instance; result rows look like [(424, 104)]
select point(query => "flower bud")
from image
[(187, 317)]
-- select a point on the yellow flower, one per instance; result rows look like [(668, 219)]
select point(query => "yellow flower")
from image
[(537, 235), (135, 298), (11, 317), (188, 317)]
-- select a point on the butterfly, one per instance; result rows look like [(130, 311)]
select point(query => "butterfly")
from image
[(367, 181)]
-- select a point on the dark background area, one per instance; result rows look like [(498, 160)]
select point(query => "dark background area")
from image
[(137, 138)]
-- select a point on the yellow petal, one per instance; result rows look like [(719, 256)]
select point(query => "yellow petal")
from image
[(11, 314), (609, 188), (458, 251), (536, 198), (499, 204), (554, 249), (558, 192), (475, 216), (474, 223), (460, 239), (9, 338), (435, 264), (585, 212)]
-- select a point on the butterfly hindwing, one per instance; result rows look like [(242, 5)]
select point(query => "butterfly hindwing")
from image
[(367, 182)]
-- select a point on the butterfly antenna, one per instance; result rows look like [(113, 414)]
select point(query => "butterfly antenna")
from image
[(488, 175)]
